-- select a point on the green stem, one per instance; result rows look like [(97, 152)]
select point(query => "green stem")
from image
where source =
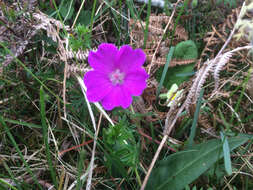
[(92, 14), (45, 136), (147, 24), (19, 151)]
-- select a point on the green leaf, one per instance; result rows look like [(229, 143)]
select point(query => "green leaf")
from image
[(82, 40), (165, 69), (195, 119), (176, 75), (183, 50), (186, 50), (180, 169), (84, 18), (120, 144), (226, 150), (67, 10)]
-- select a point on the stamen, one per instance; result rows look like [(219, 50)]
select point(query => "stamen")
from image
[(117, 77)]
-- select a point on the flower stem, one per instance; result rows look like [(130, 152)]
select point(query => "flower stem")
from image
[(137, 176)]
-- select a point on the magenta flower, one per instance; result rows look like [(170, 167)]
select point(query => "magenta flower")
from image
[(117, 75)]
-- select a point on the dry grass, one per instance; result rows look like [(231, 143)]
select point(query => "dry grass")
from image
[(77, 142)]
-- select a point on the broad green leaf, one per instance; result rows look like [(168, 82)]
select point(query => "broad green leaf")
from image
[(183, 50), (177, 75), (186, 50), (180, 169)]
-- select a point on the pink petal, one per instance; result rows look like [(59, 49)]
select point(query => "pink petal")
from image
[(118, 96), (98, 85), (129, 59), (103, 60), (135, 82)]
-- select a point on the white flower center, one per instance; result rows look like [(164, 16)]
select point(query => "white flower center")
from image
[(117, 77)]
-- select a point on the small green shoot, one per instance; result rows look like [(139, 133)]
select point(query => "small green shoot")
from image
[(226, 152), (195, 119), (169, 57)]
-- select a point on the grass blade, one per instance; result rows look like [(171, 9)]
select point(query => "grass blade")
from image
[(92, 14), (244, 85), (80, 169), (165, 69), (29, 71), (99, 107), (147, 23), (7, 184), (195, 119), (11, 174), (30, 125), (7, 130), (45, 135), (226, 152)]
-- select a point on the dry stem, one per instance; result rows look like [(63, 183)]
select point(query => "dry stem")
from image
[(153, 162), (164, 31)]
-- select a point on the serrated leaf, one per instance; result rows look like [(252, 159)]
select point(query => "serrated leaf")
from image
[(182, 168)]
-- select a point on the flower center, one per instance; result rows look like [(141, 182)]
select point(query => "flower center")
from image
[(117, 77)]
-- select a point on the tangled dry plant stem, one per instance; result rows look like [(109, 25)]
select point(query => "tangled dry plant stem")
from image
[(222, 61), (88, 185), (208, 66), (160, 41), (64, 89)]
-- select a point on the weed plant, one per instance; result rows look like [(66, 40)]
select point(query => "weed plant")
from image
[(52, 138)]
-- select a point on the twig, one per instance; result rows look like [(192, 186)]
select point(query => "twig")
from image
[(156, 141), (153, 162), (88, 185), (64, 89), (77, 15), (75, 147)]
